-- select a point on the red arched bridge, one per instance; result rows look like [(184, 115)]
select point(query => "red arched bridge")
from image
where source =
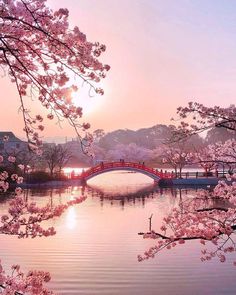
[(128, 166)]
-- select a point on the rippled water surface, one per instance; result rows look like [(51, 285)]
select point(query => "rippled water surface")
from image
[(97, 243)]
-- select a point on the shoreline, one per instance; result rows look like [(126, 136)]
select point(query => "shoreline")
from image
[(190, 181), (52, 184), (162, 183)]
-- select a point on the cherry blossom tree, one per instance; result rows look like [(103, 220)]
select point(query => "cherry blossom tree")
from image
[(23, 158), (177, 158), (207, 158), (197, 118), (217, 155), (23, 219), (210, 217), (227, 154), (40, 53)]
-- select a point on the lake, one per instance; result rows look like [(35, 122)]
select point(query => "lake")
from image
[(96, 246)]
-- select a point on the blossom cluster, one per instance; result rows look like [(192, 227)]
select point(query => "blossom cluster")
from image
[(23, 220), (203, 118), (40, 52), (19, 283), (209, 217)]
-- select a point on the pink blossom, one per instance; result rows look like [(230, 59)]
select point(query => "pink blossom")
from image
[(50, 116), (19, 179), (86, 125), (65, 47), (18, 191), (41, 127), (22, 167), (11, 159), (39, 118), (222, 258)]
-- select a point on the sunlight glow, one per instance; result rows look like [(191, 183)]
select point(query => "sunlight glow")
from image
[(88, 102), (71, 218), (68, 170)]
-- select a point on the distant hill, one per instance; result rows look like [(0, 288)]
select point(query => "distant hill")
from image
[(219, 134), (145, 137), (149, 138)]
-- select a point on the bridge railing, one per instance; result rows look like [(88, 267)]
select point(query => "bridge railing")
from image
[(106, 166), (159, 173), (200, 174)]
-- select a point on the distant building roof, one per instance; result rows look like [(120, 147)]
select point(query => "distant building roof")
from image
[(11, 136)]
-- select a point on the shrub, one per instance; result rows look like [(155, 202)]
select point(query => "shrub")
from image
[(38, 176)]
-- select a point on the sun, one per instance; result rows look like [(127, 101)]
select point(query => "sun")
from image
[(89, 103)]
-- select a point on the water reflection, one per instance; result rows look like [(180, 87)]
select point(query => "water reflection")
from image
[(96, 246), (110, 196), (133, 196), (139, 195), (136, 194), (71, 218)]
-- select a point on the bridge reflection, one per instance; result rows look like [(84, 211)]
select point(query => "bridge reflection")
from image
[(134, 196)]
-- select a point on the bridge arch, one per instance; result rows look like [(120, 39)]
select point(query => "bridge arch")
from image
[(127, 166)]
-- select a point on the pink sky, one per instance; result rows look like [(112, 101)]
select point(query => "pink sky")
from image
[(162, 54)]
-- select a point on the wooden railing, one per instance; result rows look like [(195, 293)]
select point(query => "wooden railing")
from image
[(158, 173), (200, 174), (102, 167)]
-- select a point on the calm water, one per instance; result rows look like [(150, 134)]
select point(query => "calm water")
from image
[(96, 246)]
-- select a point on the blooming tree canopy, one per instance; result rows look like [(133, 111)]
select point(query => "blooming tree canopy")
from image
[(176, 157), (203, 118), (207, 158), (210, 217), (227, 153), (205, 218), (217, 155), (40, 53), (23, 219)]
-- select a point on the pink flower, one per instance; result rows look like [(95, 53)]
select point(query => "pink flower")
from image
[(19, 180), (86, 125), (18, 191), (39, 118), (50, 116), (181, 241), (41, 127), (22, 167), (11, 159), (14, 177), (163, 228), (222, 258)]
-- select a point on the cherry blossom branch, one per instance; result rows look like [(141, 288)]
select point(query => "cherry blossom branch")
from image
[(204, 118), (23, 220), (52, 51)]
